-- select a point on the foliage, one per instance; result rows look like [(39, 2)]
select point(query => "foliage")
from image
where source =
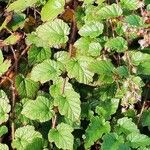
[(74, 74)]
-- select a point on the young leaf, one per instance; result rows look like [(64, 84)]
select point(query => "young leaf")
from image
[(38, 54), (26, 138), (3, 130), (21, 5), (5, 107), (117, 44), (69, 102), (136, 140), (50, 33), (39, 109), (3, 147), (110, 11), (79, 69), (52, 9), (92, 29), (98, 126), (26, 87), (62, 136), (126, 126), (130, 4)]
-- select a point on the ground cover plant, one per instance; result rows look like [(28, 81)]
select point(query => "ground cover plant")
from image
[(74, 74)]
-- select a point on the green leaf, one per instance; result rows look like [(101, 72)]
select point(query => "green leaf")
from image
[(92, 29), (38, 54), (107, 108), (136, 140), (78, 68), (112, 141), (62, 136), (52, 9), (50, 34), (134, 20), (146, 118), (110, 11), (126, 126), (68, 101), (39, 109), (1, 57), (3, 130), (26, 138), (98, 126), (21, 5), (3, 147), (117, 44), (45, 71), (144, 68), (5, 107), (102, 67), (130, 4), (26, 87)]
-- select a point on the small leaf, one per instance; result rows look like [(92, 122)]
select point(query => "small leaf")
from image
[(62, 136), (4, 107), (21, 5), (117, 44), (39, 109), (11, 40), (146, 118), (92, 29), (38, 54), (110, 11), (130, 4), (144, 68), (79, 69), (26, 138), (26, 87), (3, 130), (50, 34), (136, 140), (126, 126), (3, 147), (52, 9), (45, 71), (97, 126), (134, 20)]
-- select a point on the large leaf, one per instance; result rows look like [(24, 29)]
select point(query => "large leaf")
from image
[(126, 126), (52, 9), (130, 4), (68, 101), (136, 140), (4, 107), (38, 54), (92, 29), (62, 136), (45, 71), (39, 109), (112, 141), (21, 5), (117, 44), (26, 138), (51, 33), (110, 11), (79, 69), (3, 130), (26, 87), (4, 65), (3, 147), (96, 129)]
